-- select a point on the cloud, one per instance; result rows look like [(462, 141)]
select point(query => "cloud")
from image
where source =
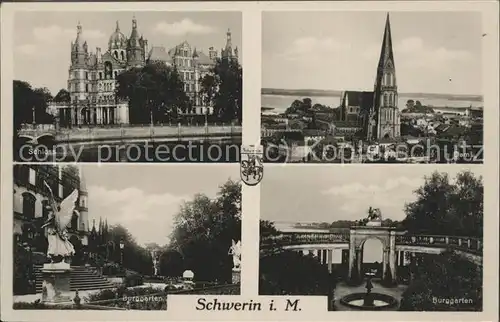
[(183, 27), (148, 217), (356, 188), (44, 39), (355, 198), (27, 49), (307, 47)]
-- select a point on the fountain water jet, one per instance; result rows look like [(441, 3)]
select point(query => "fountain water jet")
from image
[(369, 301)]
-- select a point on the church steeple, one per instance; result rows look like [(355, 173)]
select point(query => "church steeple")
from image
[(384, 120), (386, 53)]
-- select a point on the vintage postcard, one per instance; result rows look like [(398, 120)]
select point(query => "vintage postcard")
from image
[(90, 237), (127, 86), (390, 239), (336, 90), (249, 161)]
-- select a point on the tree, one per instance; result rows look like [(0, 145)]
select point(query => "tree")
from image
[(62, 96), (222, 87), (135, 257), (154, 91), (204, 229), (171, 263), (27, 99), (292, 273), (443, 277), (445, 208)]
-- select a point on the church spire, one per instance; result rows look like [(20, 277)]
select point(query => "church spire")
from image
[(386, 53), (117, 26)]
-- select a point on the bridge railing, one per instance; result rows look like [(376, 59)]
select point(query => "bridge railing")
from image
[(111, 132), (288, 239), (37, 127), (468, 244)]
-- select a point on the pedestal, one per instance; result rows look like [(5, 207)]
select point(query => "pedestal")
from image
[(56, 287), (236, 276)]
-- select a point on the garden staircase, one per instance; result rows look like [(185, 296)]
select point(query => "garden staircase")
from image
[(81, 278)]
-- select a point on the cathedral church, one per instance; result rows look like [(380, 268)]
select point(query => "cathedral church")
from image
[(376, 113), (92, 76)]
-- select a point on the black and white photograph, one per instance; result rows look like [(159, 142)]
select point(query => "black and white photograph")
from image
[(371, 87), (107, 237), (374, 238), (121, 86)]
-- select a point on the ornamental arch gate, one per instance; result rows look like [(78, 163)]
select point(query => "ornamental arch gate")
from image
[(359, 235)]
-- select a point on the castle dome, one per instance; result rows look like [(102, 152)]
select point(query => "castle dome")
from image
[(117, 40)]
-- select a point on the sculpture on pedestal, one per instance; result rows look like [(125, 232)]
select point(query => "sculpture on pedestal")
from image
[(56, 275), (235, 251), (60, 248)]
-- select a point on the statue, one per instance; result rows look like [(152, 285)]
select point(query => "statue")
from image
[(374, 214), (235, 251), (59, 218)]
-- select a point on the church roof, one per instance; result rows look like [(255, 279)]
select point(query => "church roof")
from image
[(356, 98), (386, 52)]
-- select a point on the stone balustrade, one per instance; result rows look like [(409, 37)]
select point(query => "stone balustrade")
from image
[(467, 244)]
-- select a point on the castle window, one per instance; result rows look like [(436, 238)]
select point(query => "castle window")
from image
[(86, 88), (74, 221), (123, 55), (29, 205), (100, 75), (116, 54), (86, 75)]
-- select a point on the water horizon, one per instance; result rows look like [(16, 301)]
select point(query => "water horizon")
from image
[(279, 103)]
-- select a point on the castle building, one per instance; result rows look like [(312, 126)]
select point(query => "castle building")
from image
[(31, 203), (92, 76), (193, 64), (376, 113)]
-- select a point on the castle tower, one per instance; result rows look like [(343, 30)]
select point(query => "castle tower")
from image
[(117, 44), (78, 80), (385, 119), (212, 53), (227, 52), (135, 47)]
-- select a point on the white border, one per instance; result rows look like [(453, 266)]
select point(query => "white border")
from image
[(313, 308)]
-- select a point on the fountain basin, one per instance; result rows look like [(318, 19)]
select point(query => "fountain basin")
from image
[(380, 301)]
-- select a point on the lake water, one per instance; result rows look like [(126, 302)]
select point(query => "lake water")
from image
[(372, 251), (280, 103)]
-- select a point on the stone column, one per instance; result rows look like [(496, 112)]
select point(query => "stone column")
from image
[(392, 256), (352, 253), (384, 261), (329, 256), (352, 260), (359, 260)]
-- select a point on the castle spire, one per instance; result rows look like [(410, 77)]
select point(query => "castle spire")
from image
[(117, 26)]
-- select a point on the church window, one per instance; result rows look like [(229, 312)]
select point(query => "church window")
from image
[(386, 99)]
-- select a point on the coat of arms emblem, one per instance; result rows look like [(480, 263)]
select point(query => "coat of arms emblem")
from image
[(251, 165)]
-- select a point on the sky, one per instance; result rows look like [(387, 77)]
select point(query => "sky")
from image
[(146, 198), (340, 50), (329, 193), (42, 42)]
